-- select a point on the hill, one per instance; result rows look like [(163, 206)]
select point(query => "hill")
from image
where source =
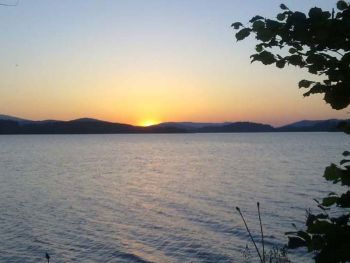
[(312, 125), (14, 125), (79, 126)]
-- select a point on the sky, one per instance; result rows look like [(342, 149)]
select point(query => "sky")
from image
[(142, 62)]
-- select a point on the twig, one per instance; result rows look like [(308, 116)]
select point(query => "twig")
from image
[(250, 235), (262, 232)]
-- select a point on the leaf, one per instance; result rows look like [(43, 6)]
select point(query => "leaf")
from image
[(259, 48), (344, 161), (264, 34), (296, 60), (242, 34), (342, 5), (332, 173), (273, 25), (283, 7), (344, 200), (305, 83), (338, 95), (280, 63), (292, 50), (315, 89), (323, 208), (313, 69), (298, 18), (346, 153), (305, 236), (320, 226), (327, 82), (315, 13), (297, 46), (255, 18), (265, 57), (236, 25), (281, 16), (329, 201), (295, 242), (258, 25)]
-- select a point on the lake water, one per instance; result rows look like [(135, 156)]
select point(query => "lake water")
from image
[(156, 198)]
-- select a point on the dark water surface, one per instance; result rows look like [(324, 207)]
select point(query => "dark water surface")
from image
[(155, 198)]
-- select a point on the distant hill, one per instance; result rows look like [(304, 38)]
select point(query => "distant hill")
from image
[(202, 127), (11, 118), (20, 120), (86, 120), (78, 126), (312, 125), (238, 127), (305, 123), (300, 126), (14, 125), (191, 125)]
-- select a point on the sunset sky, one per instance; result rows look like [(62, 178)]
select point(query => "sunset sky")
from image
[(141, 62)]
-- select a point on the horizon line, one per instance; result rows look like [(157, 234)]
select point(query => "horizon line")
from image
[(158, 123)]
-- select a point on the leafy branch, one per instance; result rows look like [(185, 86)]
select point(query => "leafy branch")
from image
[(310, 41)]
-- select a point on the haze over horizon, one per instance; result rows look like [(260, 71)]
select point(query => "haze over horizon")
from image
[(141, 62)]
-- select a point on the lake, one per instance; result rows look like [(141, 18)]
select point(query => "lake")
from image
[(156, 198)]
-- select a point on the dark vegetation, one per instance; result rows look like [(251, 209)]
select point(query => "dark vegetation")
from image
[(319, 42), (274, 255)]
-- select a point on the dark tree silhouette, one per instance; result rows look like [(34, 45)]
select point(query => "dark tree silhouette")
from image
[(318, 41)]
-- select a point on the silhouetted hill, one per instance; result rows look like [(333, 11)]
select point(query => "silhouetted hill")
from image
[(14, 125), (79, 126), (311, 126), (238, 127), (202, 127), (307, 123), (9, 127), (192, 125), (11, 118)]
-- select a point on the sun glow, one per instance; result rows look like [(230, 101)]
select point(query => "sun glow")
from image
[(146, 123)]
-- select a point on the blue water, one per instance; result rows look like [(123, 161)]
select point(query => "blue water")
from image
[(156, 198)]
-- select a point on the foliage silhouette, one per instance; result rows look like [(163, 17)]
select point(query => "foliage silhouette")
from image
[(275, 255), (319, 42)]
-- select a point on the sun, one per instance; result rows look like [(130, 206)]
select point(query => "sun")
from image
[(146, 123)]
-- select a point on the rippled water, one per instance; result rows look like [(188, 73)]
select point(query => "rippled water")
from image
[(155, 198)]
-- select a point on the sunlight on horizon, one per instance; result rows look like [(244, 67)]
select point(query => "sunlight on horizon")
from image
[(146, 123)]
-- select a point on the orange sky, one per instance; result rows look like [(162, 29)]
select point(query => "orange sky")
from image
[(144, 62)]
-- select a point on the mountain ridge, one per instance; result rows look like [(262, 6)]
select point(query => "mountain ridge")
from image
[(14, 125)]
